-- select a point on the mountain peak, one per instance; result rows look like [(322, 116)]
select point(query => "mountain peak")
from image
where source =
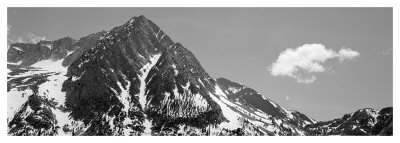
[(141, 18), (137, 19)]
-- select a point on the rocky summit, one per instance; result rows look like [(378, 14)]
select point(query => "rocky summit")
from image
[(134, 80)]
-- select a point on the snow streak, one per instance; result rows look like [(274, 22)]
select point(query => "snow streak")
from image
[(145, 71)]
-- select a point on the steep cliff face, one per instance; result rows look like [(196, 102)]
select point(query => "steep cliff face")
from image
[(384, 124), (177, 91), (81, 46), (105, 82), (132, 73), (64, 49), (26, 54)]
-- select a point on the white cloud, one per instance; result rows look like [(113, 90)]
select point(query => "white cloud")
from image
[(8, 34), (19, 40), (301, 63), (347, 54), (28, 38), (8, 29), (32, 38), (306, 80), (388, 51)]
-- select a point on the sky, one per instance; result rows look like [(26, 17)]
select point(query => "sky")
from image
[(323, 62)]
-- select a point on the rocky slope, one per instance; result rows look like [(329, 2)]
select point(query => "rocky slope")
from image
[(362, 122), (256, 101), (134, 80), (65, 49)]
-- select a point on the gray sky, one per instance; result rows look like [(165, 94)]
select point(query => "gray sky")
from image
[(242, 43)]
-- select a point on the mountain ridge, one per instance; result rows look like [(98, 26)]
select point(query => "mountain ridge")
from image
[(134, 80)]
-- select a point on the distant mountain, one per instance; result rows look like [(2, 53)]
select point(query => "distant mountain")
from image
[(134, 80), (362, 122), (66, 49)]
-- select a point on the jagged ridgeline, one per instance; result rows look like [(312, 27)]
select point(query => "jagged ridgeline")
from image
[(134, 80)]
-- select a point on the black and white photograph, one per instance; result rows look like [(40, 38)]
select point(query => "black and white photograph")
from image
[(199, 71)]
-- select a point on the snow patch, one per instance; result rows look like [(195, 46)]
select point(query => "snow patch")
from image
[(70, 52), (52, 90), (176, 72), (17, 48), (50, 65), (219, 92), (228, 113), (273, 104), (15, 99), (17, 63), (147, 125), (201, 82), (124, 96), (50, 46), (289, 114), (363, 130), (161, 37), (74, 78), (159, 30), (142, 97), (145, 71), (234, 90)]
